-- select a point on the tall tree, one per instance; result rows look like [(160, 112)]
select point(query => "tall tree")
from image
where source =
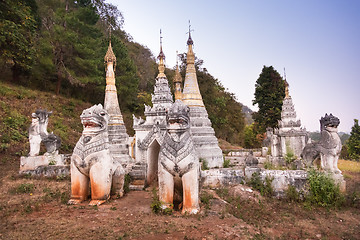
[(269, 95), (18, 22), (69, 33), (353, 143)]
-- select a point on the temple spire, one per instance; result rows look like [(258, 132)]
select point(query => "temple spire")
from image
[(191, 92), (161, 58), (177, 81), (287, 95)]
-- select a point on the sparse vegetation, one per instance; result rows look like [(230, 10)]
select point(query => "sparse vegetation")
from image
[(156, 204), (23, 188), (265, 188), (204, 164), (226, 163)]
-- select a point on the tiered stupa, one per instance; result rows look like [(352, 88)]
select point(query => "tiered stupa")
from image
[(203, 134), (290, 135), (117, 131), (148, 132)]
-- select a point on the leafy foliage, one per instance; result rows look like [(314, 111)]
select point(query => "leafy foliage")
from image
[(353, 143), (269, 95), (265, 188), (322, 190)]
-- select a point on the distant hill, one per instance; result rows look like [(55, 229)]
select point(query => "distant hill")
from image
[(248, 115)]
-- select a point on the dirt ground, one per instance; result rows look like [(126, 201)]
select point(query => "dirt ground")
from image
[(40, 212)]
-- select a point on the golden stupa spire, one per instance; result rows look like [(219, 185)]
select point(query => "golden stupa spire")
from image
[(110, 56), (161, 58), (287, 95), (177, 81), (191, 93)]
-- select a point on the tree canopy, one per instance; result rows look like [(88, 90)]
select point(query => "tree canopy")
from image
[(353, 143), (269, 96)]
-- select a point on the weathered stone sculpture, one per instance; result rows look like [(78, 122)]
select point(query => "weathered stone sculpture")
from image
[(328, 148), (92, 161), (179, 164), (38, 133), (34, 136), (250, 160)]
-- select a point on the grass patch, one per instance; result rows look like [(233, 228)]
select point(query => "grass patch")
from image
[(205, 198), (156, 205), (23, 188), (349, 166)]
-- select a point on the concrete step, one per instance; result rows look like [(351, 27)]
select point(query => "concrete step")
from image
[(137, 185)]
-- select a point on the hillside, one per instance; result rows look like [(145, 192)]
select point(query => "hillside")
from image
[(61, 48), (16, 105)]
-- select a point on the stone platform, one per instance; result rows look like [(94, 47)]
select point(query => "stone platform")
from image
[(48, 165)]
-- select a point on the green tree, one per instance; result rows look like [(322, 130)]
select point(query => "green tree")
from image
[(18, 23), (353, 143), (269, 95)]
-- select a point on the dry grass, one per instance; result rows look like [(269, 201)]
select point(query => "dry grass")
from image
[(350, 166)]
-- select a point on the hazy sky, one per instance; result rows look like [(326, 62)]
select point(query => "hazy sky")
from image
[(318, 42)]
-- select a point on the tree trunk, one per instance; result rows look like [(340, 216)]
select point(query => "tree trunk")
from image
[(15, 73), (59, 80)]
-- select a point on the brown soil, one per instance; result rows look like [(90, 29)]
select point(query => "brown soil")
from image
[(43, 214)]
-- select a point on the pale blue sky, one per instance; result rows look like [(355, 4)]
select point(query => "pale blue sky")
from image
[(318, 42)]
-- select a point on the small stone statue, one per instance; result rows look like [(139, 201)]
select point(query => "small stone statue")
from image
[(38, 133), (328, 148), (178, 162), (250, 160), (92, 162)]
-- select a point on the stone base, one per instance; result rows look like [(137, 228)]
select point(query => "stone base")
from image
[(221, 177), (49, 171), (339, 180), (31, 163), (281, 180)]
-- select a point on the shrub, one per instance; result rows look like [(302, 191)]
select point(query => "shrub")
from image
[(205, 198), (156, 205), (266, 188), (226, 163), (323, 191), (204, 164), (292, 195), (127, 180)]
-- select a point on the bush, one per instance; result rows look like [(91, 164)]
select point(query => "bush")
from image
[(204, 164), (292, 195), (323, 191), (266, 188), (156, 205), (226, 163)]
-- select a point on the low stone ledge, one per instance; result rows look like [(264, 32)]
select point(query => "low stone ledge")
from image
[(282, 179), (49, 171), (222, 177)]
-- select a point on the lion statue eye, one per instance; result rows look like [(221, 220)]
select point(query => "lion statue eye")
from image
[(102, 113)]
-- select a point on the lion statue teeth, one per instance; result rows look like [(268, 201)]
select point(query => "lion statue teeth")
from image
[(178, 163), (328, 148), (92, 163)]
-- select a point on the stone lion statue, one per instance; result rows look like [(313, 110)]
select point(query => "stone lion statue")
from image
[(178, 162), (92, 163), (328, 149)]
